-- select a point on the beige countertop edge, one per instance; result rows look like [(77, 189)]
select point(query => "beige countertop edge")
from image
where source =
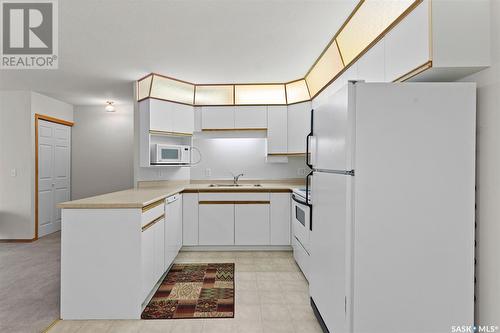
[(139, 198)]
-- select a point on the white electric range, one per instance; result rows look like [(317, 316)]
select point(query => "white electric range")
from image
[(301, 228)]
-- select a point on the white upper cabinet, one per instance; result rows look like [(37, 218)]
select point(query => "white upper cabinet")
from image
[(160, 115), (277, 130), (168, 116), (182, 118), (246, 117), (407, 45), (233, 117), (217, 117), (299, 126)]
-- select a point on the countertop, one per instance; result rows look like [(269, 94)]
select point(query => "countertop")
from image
[(143, 196)]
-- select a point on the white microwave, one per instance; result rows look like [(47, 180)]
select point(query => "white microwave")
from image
[(170, 154)]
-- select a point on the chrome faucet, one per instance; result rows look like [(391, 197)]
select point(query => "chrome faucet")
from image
[(236, 178)]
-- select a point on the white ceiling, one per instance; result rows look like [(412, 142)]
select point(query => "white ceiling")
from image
[(105, 45)]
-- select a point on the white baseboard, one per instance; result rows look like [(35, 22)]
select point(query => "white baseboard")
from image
[(236, 248)]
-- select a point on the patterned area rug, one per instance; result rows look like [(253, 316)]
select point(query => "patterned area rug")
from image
[(194, 291)]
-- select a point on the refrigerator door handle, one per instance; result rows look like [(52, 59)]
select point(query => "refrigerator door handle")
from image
[(307, 200), (308, 138)]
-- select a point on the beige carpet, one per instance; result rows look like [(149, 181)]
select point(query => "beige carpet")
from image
[(29, 284)]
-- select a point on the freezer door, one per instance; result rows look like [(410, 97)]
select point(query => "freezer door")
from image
[(331, 133), (327, 273)]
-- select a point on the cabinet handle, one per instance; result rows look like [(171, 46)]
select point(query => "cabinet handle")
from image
[(150, 224), (153, 205)]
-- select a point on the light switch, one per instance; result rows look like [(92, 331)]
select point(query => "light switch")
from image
[(208, 172), (13, 172)]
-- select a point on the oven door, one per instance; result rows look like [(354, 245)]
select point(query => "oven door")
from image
[(300, 221)]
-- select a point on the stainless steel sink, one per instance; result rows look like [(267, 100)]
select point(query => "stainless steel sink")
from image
[(234, 185)]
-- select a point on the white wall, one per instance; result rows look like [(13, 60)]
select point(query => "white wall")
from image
[(15, 205), (102, 154), (17, 151), (488, 182), (241, 155)]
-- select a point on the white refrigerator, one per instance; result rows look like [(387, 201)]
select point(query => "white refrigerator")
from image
[(393, 195)]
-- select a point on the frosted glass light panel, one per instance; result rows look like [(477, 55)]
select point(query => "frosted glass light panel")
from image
[(297, 92), (328, 65), (371, 19), (214, 95), (252, 94), (143, 87), (172, 90)]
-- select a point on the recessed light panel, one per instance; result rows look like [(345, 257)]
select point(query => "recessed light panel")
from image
[(328, 65), (143, 87), (251, 94), (214, 95), (369, 21), (172, 90), (297, 92)]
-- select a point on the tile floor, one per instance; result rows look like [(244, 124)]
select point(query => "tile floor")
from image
[(271, 297)]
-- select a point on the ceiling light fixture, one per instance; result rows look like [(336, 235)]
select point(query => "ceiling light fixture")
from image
[(110, 107)]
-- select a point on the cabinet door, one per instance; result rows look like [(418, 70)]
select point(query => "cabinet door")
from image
[(148, 260), (407, 45), (159, 249), (277, 129), (250, 117), (217, 117), (183, 118), (190, 219), (173, 230), (160, 115), (280, 219), (299, 125), (177, 214), (216, 224), (251, 224)]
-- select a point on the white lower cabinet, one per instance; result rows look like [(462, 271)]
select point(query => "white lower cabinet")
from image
[(241, 219), (190, 219), (251, 224), (159, 249), (152, 253), (173, 229), (280, 219), (216, 224)]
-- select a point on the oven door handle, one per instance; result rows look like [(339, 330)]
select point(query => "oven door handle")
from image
[(294, 198)]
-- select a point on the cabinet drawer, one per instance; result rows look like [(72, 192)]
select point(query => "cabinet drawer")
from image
[(232, 196), (152, 211)]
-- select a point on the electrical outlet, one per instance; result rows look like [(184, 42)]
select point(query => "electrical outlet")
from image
[(13, 172), (302, 171), (208, 172)]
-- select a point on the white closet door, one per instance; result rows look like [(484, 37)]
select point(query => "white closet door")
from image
[(54, 160)]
